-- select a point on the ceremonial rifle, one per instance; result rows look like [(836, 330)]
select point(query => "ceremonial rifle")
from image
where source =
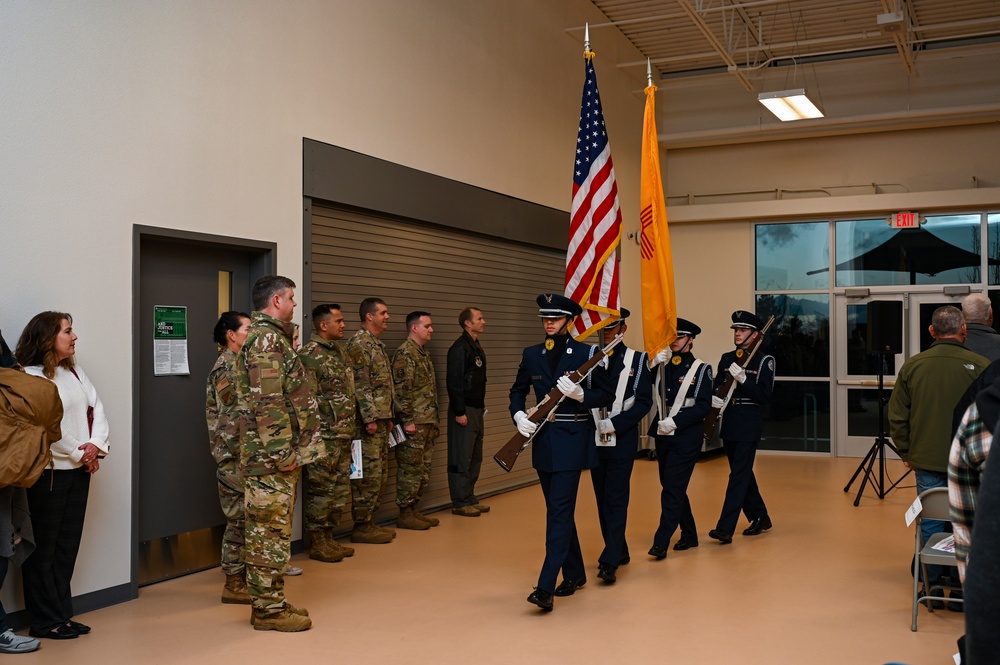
[(723, 391), (545, 411)]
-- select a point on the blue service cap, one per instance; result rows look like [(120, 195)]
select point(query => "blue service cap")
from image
[(687, 329), (555, 305), (745, 319)]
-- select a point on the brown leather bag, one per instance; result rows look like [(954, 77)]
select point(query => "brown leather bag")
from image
[(30, 417)]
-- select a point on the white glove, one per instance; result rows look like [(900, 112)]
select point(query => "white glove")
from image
[(738, 372), (718, 402), (570, 389), (605, 426), (660, 358), (666, 427), (524, 426)]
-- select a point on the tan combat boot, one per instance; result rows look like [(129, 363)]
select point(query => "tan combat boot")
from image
[(320, 548), (285, 621), (338, 547), (301, 611), (366, 532), (407, 520), (235, 591), (433, 521)]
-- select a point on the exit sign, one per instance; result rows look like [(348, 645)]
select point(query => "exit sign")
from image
[(905, 220)]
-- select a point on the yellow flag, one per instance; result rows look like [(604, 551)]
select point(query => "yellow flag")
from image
[(659, 305)]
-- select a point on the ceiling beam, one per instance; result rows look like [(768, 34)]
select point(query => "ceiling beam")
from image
[(715, 43)]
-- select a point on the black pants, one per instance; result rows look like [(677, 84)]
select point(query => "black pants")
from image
[(562, 546), (465, 457), (611, 478), (58, 504), (676, 456), (742, 493)]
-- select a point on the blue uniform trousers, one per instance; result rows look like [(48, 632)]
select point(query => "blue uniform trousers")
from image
[(676, 456), (742, 492), (612, 484), (562, 546)]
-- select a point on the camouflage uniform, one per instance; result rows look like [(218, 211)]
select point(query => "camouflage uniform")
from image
[(416, 404), (280, 428), (222, 415), (374, 394), (328, 479)]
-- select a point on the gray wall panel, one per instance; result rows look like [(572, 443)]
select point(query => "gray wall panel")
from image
[(416, 266)]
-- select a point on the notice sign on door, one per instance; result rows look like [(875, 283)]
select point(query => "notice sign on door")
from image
[(170, 344)]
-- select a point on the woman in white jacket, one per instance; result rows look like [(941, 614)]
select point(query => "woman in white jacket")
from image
[(58, 501)]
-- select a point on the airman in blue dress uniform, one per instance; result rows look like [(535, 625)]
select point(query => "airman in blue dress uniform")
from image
[(741, 429), (561, 448)]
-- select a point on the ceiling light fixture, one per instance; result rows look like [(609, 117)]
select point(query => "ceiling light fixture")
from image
[(789, 105)]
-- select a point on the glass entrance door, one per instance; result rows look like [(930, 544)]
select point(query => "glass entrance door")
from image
[(858, 362)]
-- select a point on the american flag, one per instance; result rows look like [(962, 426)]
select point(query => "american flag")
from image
[(595, 219)]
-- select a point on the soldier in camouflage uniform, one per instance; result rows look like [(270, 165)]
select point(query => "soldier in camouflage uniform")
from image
[(374, 395), (280, 433), (416, 408), (327, 480), (224, 438)]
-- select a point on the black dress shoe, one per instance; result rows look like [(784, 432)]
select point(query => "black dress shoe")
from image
[(606, 573), (683, 544), (624, 560), (60, 632), (758, 526), (77, 627), (569, 587), (541, 598), (658, 552), (721, 536)]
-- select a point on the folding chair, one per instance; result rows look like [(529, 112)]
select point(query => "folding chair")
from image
[(935, 506)]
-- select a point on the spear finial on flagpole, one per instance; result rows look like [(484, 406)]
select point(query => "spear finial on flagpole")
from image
[(649, 74), (587, 53)]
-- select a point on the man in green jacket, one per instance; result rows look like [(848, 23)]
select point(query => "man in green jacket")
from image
[(928, 386)]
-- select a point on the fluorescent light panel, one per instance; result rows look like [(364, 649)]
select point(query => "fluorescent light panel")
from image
[(789, 105)]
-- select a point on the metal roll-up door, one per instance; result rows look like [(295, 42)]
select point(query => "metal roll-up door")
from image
[(417, 266)]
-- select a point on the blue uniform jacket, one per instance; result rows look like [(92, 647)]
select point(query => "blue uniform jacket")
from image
[(561, 445), (690, 420), (741, 421), (640, 386)]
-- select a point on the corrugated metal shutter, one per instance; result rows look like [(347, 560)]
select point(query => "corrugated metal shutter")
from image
[(414, 266)]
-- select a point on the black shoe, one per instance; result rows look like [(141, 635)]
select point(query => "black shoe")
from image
[(658, 552), (758, 526), (685, 544), (624, 560), (721, 536), (541, 598), (606, 573), (955, 607), (569, 587), (60, 632), (77, 627)]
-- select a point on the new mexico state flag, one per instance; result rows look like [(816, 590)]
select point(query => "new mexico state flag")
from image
[(659, 305)]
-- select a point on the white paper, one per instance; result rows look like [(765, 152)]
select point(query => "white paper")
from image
[(945, 545), (913, 511), (357, 468), (396, 436), (170, 357)]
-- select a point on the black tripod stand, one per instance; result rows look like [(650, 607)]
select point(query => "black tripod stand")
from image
[(877, 451)]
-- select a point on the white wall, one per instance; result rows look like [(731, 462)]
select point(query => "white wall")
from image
[(190, 115)]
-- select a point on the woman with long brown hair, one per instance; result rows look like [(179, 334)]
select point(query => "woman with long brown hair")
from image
[(58, 501)]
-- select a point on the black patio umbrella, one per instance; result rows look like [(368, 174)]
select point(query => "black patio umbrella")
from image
[(912, 251)]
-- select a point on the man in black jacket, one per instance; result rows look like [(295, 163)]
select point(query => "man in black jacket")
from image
[(466, 384)]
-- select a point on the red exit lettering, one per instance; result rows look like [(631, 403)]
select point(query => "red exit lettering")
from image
[(905, 220)]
